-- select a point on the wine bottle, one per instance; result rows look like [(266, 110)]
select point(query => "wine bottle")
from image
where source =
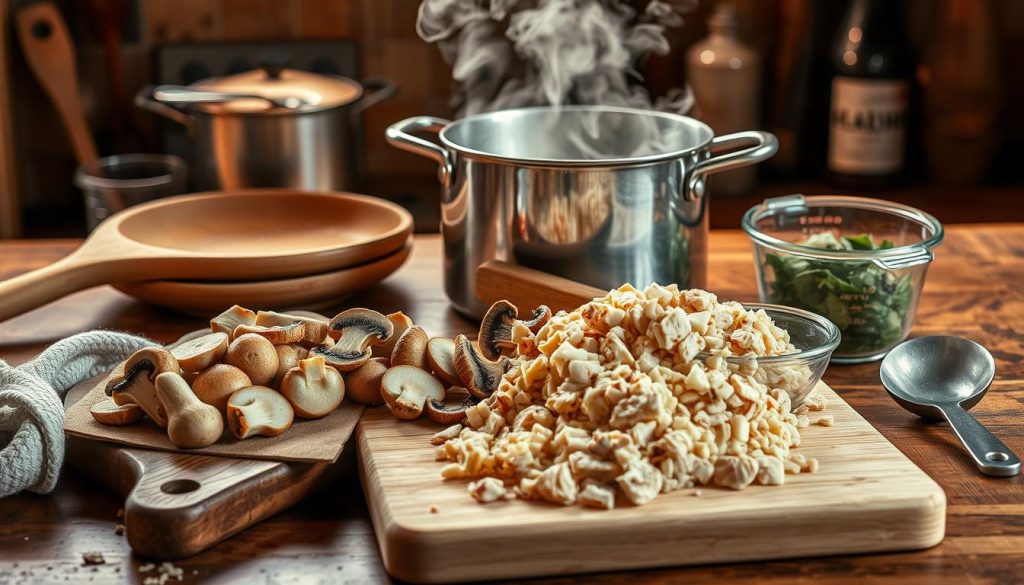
[(872, 72)]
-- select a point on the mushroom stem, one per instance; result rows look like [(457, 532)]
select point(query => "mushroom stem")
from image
[(191, 423)]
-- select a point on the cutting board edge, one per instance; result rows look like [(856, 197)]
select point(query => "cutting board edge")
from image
[(924, 527), (406, 550)]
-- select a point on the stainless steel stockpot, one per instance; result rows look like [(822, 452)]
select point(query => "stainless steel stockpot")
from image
[(245, 142), (601, 195)]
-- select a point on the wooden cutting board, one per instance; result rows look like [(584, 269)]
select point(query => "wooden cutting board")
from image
[(177, 505), (866, 497)]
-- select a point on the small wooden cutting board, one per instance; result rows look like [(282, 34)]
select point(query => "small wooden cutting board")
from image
[(866, 497)]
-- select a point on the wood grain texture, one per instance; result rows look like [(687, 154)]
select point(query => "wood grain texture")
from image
[(243, 234), (973, 289), (867, 497), (179, 504)]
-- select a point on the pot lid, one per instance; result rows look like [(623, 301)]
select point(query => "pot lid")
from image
[(315, 92)]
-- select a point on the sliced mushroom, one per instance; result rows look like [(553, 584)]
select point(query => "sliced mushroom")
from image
[(314, 388), (400, 322), (363, 383), (227, 321), (411, 349), (216, 384), (107, 412), (255, 355), (451, 409), (137, 384), (195, 355), (441, 359), (496, 329), (288, 357), (406, 390), (314, 330), (191, 423), (478, 375), (540, 318), (293, 332), (359, 330), (258, 410)]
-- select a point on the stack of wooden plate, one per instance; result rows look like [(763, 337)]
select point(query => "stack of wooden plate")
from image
[(372, 239), (267, 249)]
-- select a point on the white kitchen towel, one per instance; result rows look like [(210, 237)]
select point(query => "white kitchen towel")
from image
[(32, 405)]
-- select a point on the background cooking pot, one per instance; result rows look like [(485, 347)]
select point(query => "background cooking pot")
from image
[(597, 194), (270, 127)]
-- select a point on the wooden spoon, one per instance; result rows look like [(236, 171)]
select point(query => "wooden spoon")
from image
[(238, 235)]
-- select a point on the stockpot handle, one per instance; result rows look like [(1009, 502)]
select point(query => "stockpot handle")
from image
[(376, 90), (399, 135), (764, 146), (144, 99)]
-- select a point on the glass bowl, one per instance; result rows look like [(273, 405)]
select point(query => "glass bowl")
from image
[(859, 262), (814, 337)]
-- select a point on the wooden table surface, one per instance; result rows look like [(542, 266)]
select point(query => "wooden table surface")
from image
[(973, 289)]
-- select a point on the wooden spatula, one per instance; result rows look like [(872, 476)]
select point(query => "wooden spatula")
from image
[(47, 46)]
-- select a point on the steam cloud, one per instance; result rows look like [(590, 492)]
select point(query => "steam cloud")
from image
[(513, 53)]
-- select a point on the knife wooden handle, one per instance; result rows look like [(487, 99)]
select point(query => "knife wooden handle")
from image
[(527, 288)]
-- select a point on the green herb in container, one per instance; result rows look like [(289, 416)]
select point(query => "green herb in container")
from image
[(869, 304), (859, 262)]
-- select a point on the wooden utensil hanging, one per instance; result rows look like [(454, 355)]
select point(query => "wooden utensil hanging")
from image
[(47, 46)]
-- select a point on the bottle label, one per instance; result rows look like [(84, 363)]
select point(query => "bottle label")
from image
[(868, 126)]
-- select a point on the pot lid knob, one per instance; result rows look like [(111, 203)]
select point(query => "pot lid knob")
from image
[(273, 63)]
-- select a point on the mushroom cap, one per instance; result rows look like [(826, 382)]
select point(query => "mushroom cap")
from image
[(411, 349), (153, 360), (363, 383), (258, 410), (399, 322), (288, 357), (314, 388), (368, 322), (199, 353), (216, 384), (452, 408), (541, 315), (478, 375), (356, 330), (136, 385), (406, 390), (227, 321), (314, 329), (107, 412), (255, 355), (496, 329), (293, 332), (441, 359)]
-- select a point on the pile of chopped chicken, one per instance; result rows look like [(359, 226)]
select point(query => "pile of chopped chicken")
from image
[(631, 395)]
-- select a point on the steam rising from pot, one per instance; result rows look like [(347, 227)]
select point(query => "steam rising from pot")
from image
[(514, 53)]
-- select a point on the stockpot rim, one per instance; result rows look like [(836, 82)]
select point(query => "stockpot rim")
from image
[(590, 164)]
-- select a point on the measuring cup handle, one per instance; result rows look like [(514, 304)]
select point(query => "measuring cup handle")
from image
[(399, 135), (990, 455), (764, 145)]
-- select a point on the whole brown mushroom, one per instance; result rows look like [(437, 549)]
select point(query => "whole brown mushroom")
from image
[(254, 355)]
